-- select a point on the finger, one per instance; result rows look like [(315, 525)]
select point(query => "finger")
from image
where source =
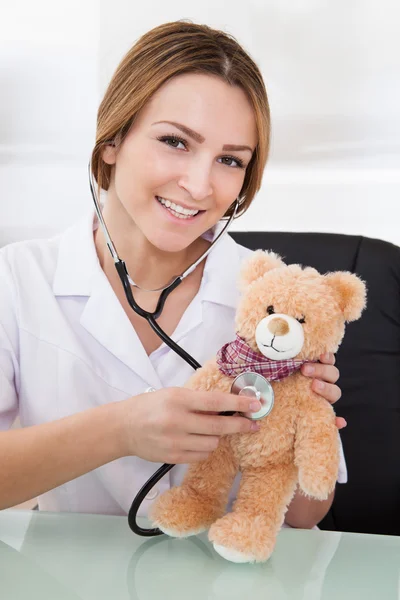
[(341, 423), (325, 372), (182, 444), (329, 391), (328, 358), (217, 402), (216, 425), (201, 443)]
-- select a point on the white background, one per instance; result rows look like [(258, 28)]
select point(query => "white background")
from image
[(332, 71)]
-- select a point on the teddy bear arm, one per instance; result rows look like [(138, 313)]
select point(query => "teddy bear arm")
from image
[(317, 448), (208, 378)]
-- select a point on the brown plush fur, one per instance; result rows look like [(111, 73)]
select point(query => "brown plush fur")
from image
[(297, 443)]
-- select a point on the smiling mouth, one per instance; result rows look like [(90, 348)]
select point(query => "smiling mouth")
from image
[(178, 211)]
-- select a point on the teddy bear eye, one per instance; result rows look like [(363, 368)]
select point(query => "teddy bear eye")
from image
[(302, 320), (270, 310)]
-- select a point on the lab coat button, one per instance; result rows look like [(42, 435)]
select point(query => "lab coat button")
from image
[(152, 494), (150, 389)]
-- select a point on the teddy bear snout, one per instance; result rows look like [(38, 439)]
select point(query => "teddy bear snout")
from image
[(278, 326), (279, 336)]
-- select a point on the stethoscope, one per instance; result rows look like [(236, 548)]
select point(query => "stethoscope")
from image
[(248, 383)]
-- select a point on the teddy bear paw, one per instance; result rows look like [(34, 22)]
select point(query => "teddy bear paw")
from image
[(233, 555), (243, 538), (180, 512)]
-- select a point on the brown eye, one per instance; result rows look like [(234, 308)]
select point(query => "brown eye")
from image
[(270, 310), (302, 320)]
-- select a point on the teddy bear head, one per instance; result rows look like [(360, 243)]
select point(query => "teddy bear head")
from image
[(287, 311)]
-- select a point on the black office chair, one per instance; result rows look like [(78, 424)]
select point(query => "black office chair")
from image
[(369, 364)]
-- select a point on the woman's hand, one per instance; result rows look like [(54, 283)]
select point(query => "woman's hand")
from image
[(325, 376), (179, 425)]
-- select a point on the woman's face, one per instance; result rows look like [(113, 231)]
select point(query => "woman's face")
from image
[(184, 160)]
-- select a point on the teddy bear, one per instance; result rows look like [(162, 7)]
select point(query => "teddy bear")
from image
[(286, 315)]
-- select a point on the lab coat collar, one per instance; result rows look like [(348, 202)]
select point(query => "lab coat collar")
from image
[(79, 273), (220, 277), (77, 263), (78, 267)]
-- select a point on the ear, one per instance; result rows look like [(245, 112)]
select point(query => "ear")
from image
[(352, 293), (259, 263), (109, 154)]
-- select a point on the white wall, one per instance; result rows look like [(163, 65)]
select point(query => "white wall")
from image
[(331, 70), (49, 97)]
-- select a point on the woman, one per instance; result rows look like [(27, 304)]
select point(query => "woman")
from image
[(183, 132)]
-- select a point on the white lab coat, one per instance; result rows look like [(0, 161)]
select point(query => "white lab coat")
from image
[(66, 345)]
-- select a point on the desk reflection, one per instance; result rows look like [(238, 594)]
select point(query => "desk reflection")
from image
[(93, 557)]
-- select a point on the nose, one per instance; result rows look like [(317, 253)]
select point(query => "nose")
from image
[(278, 326), (197, 181)]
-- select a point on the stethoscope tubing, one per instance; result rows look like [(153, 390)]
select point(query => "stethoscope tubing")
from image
[(151, 319), (152, 316)]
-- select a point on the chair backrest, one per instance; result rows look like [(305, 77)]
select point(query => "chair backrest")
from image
[(369, 363)]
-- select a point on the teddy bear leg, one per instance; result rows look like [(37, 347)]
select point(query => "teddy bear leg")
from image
[(248, 533), (192, 507)]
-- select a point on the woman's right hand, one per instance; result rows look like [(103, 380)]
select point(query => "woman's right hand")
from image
[(180, 425)]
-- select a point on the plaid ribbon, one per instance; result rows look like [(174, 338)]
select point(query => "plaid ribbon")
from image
[(237, 357)]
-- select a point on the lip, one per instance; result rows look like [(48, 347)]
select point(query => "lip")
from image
[(182, 204)]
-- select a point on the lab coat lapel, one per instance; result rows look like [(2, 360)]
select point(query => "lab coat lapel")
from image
[(218, 287), (103, 314), (222, 273), (79, 273), (171, 368), (105, 319)]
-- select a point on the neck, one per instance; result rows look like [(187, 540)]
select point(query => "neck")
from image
[(148, 266)]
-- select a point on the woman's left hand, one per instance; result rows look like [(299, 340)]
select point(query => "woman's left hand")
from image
[(325, 376)]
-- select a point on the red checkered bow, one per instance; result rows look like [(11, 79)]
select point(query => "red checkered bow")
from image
[(237, 357)]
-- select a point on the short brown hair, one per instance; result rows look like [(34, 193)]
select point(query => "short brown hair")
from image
[(174, 49)]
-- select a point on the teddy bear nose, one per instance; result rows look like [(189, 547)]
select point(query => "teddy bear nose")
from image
[(278, 326)]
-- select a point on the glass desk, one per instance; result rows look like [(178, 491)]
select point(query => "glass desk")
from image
[(49, 556)]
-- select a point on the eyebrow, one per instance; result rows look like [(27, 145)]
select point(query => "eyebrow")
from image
[(200, 139)]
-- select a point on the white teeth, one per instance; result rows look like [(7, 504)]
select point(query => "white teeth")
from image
[(179, 211)]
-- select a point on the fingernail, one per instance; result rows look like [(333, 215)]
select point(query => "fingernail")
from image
[(308, 369), (319, 385), (255, 406), (255, 426)]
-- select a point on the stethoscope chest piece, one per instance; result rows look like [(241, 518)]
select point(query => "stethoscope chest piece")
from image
[(256, 386)]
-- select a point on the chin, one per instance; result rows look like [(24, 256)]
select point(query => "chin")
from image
[(170, 242)]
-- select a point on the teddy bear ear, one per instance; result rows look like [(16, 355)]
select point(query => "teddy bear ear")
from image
[(352, 293), (259, 263)]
